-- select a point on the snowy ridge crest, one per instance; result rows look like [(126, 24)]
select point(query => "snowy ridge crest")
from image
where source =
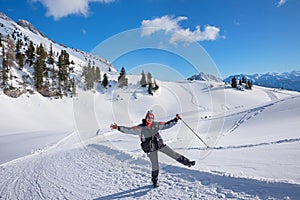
[(27, 25), (5, 17)]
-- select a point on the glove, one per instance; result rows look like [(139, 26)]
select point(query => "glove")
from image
[(114, 126), (177, 117)]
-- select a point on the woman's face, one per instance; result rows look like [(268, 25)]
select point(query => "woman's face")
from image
[(149, 119)]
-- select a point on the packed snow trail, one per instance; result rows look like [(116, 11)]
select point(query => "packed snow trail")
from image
[(99, 172)]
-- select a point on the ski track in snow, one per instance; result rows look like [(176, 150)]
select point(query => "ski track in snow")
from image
[(99, 172), (292, 140), (193, 100), (245, 117), (248, 114)]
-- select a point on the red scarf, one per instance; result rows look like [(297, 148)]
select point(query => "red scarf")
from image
[(149, 124)]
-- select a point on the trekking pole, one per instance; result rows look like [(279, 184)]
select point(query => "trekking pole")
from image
[(193, 132)]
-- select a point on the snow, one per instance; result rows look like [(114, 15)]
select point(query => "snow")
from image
[(64, 148)]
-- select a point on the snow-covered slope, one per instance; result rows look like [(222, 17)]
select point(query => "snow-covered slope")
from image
[(253, 135), (26, 32), (24, 29)]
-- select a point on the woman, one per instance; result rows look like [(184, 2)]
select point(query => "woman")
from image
[(152, 141)]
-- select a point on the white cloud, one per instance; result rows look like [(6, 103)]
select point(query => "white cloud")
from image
[(185, 35), (63, 8), (281, 3), (164, 23), (168, 24)]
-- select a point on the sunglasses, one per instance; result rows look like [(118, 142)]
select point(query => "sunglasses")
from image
[(149, 117)]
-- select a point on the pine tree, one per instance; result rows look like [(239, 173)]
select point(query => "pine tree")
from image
[(10, 55), (19, 45), (38, 73), (30, 53), (149, 78), (97, 75), (20, 60), (42, 55), (53, 78), (63, 69), (93, 74), (143, 80), (156, 87), (122, 80), (4, 69), (41, 52), (87, 73), (244, 80), (104, 81), (249, 85), (19, 55), (150, 89), (90, 77), (66, 58), (233, 82), (50, 56)]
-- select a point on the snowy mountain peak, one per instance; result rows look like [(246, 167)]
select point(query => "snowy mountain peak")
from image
[(5, 17), (205, 77), (27, 25)]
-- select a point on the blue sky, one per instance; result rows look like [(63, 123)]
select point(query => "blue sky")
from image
[(240, 36)]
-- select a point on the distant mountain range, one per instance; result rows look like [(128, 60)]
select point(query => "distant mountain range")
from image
[(285, 80)]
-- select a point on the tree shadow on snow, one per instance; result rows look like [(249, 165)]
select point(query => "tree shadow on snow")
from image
[(134, 193)]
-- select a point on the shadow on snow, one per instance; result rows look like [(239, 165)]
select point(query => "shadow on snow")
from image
[(260, 189), (134, 193)]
